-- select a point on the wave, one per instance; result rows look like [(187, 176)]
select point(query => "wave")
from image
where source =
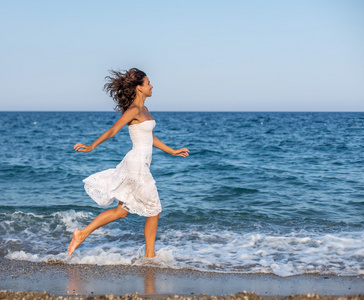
[(44, 237), (250, 253)]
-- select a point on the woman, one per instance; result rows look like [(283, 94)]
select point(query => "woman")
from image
[(131, 182)]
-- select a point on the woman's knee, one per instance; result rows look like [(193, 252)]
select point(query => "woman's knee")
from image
[(121, 213), (156, 217)]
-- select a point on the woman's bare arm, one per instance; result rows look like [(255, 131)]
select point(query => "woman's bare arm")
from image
[(175, 152), (127, 117)]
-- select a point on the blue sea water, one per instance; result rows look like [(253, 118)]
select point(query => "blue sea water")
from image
[(261, 192)]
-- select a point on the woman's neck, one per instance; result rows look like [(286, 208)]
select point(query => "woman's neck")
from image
[(139, 100)]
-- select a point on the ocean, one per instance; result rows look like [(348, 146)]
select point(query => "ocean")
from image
[(261, 192)]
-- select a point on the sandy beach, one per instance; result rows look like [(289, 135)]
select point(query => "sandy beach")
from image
[(82, 281)]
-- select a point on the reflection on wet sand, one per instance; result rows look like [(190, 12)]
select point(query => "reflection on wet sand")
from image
[(80, 282), (149, 281), (75, 285), (90, 280)]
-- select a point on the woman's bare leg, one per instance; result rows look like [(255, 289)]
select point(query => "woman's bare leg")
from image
[(102, 219), (150, 233)]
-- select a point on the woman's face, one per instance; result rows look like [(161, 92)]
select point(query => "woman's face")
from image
[(146, 88)]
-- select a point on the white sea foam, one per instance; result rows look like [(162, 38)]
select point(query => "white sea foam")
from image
[(286, 255), (100, 256), (72, 219), (39, 238), (252, 253)]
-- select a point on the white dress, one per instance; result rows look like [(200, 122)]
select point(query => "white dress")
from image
[(131, 181)]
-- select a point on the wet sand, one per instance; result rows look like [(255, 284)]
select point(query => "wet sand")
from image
[(90, 281)]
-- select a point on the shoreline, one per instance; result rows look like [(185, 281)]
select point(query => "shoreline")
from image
[(136, 296), (60, 279)]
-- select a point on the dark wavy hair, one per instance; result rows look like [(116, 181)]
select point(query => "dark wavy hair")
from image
[(121, 86)]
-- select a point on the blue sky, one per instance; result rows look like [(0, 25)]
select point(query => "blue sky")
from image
[(297, 55)]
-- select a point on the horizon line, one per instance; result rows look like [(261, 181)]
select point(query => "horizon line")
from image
[(198, 111)]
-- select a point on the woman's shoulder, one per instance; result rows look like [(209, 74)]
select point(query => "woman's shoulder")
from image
[(133, 108), (133, 111)]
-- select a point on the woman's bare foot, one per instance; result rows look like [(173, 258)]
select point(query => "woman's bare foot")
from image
[(77, 239), (150, 255)]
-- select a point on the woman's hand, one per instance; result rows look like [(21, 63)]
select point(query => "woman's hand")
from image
[(181, 152), (82, 147), (178, 152)]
